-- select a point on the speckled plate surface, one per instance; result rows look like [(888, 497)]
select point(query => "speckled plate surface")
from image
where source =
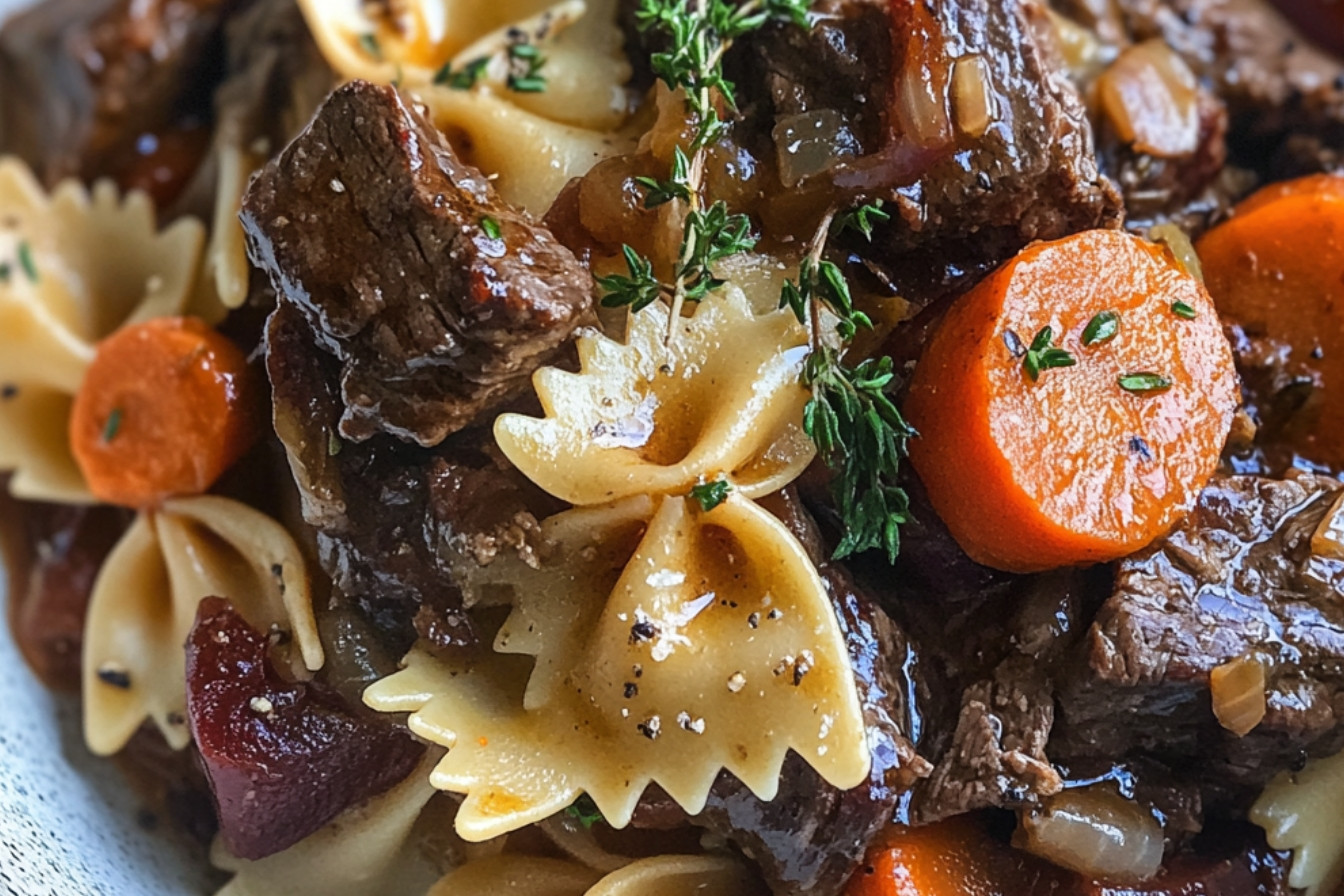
[(67, 820)]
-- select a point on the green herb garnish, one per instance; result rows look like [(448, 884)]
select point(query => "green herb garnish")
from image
[(711, 494), (490, 227), (464, 78), (862, 219), (112, 426), (528, 62), (1042, 356), (585, 811), (26, 261), (1101, 328), (1144, 382), (1182, 310), (368, 42)]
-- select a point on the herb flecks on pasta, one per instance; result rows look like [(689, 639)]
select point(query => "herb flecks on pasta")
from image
[(660, 641), (723, 399), (144, 603), (74, 266), (530, 91)]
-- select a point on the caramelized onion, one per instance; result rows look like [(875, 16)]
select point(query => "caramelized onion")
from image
[(1083, 52), (972, 98), (1328, 539), (1149, 96), (1238, 690), (1094, 832)]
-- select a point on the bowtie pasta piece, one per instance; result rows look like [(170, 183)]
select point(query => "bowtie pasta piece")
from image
[(707, 875), (144, 603), (713, 647), (73, 267), (1300, 812), (648, 417), (365, 851), (454, 55)]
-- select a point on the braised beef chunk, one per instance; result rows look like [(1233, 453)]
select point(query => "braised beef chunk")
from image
[(1237, 579), (283, 758), (437, 298), (118, 88), (392, 520), (1016, 167)]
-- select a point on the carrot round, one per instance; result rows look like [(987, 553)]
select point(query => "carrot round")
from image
[(956, 857), (1082, 463), (165, 408), (1276, 268)]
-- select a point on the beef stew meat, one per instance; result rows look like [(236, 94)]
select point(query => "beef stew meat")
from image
[(1236, 580), (393, 520), (1023, 170), (437, 299), (282, 758), (115, 88)]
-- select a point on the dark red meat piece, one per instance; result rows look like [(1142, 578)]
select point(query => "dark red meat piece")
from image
[(283, 758)]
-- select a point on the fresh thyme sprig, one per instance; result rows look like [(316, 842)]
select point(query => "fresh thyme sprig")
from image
[(697, 33), (859, 432)]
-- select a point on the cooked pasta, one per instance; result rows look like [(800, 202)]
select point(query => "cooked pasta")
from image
[(78, 264), (1300, 812), (658, 876), (534, 142), (366, 851), (623, 426), (144, 603), (710, 644)]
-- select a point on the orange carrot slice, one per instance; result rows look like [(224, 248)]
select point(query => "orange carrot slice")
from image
[(166, 407), (1277, 269), (1088, 461)]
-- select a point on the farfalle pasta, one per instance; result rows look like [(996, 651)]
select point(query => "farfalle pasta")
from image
[(1300, 812), (534, 141), (682, 639), (76, 265), (144, 602), (670, 875)]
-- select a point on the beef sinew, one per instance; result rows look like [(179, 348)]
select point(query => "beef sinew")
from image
[(1237, 580), (437, 298)]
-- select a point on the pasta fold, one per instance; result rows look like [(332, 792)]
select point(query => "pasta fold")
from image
[(144, 603), (1300, 812), (74, 266)]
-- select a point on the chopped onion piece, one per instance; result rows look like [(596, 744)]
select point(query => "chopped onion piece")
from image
[(1095, 832), (972, 99), (1150, 97), (1238, 690), (810, 143), (1328, 539)]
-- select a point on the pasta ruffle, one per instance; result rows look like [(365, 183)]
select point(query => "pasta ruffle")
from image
[(650, 418), (1300, 812), (659, 642), (144, 603), (533, 142), (73, 267)]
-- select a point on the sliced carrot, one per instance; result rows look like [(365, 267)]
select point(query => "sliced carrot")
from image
[(956, 857), (1084, 463), (1277, 270), (166, 407)]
